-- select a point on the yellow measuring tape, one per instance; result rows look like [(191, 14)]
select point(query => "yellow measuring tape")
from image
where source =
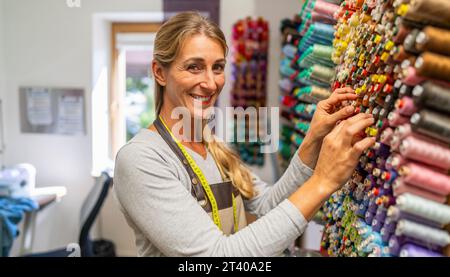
[(205, 185)]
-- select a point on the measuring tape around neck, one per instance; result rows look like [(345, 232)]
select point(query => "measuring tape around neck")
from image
[(205, 184)]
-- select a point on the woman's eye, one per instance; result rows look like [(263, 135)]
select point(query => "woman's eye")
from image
[(193, 67), (219, 68)]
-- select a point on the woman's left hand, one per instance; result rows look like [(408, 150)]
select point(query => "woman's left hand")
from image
[(327, 114)]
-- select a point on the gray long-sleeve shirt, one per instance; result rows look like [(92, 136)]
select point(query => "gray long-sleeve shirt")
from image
[(154, 192)]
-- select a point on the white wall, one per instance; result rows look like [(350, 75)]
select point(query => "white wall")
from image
[(2, 70), (49, 44), (2, 57)]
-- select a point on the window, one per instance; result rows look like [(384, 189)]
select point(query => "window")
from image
[(132, 87)]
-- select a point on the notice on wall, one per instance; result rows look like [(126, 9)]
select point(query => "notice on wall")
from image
[(39, 109), (70, 114), (52, 110)]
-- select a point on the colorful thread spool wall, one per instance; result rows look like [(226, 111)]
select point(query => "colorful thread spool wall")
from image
[(249, 70), (396, 55), (306, 70)]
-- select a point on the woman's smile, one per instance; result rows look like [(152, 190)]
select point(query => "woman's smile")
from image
[(201, 100)]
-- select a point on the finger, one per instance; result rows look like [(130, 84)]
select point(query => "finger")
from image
[(354, 129), (341, 114), (337, 129), (337, 98), (362, 145), (359, 136), (358, 117), (343, 90)]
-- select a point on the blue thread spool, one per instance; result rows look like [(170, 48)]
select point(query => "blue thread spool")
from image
[(361, 210), (372, 208), (390, 225), (394, 245), (369, 217), (385, 235), (382, 150), (377, 225), (381, 213), (366, 200), (289, 50)]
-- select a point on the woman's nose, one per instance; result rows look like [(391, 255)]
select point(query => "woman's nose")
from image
[(209, 81)]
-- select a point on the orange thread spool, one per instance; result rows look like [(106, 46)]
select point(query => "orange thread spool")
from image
[(429, 12), (433, 66), (434, 40)]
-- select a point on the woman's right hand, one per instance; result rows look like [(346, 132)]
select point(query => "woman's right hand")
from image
[(341, 150)]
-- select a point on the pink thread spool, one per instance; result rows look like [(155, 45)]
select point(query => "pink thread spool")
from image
[(400, 186), (315, 16), (405, 106), (425, 178), (325, 8), (403, 131), (396, 119), (395, 161), (423, 151), (411, 78), (386, 136)]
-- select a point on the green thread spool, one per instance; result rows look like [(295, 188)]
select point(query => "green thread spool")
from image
[(322, 73)]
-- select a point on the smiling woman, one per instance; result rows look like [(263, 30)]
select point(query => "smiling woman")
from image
[(188, 198)]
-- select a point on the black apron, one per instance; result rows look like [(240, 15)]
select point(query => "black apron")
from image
[(221, 191)]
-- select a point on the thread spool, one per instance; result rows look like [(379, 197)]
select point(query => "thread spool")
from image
[(433, 96), (426, 152), (404, 131), (432, 124), (405, 90), (429, 12), (322, 73), (389, 102), (411, 78), (422, 232), (396, 119), (424, 208), (410, 42), (400, 187), (425, 178), (399, 54), (434, 39), (446, 251), (401, 34), (394, 161), (412, 250), (286, 85), (433, 66), (396, 242), (320, 93), (325, 8), (405, 106)]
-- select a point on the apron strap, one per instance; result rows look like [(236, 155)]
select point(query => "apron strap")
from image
[(197, 189)]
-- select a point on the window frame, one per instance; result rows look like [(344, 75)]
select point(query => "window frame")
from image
[(117, 91)]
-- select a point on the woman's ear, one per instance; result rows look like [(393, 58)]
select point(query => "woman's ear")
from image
[(158, 73)]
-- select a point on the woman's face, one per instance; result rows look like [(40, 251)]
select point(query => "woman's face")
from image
[(196, 77)]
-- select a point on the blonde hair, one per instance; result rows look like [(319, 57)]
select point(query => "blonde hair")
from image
[(168, 42)]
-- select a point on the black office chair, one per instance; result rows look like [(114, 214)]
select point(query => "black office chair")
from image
[(89, 212)]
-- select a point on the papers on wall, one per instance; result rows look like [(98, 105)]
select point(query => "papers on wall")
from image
[(52, 110), (39, 109)]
